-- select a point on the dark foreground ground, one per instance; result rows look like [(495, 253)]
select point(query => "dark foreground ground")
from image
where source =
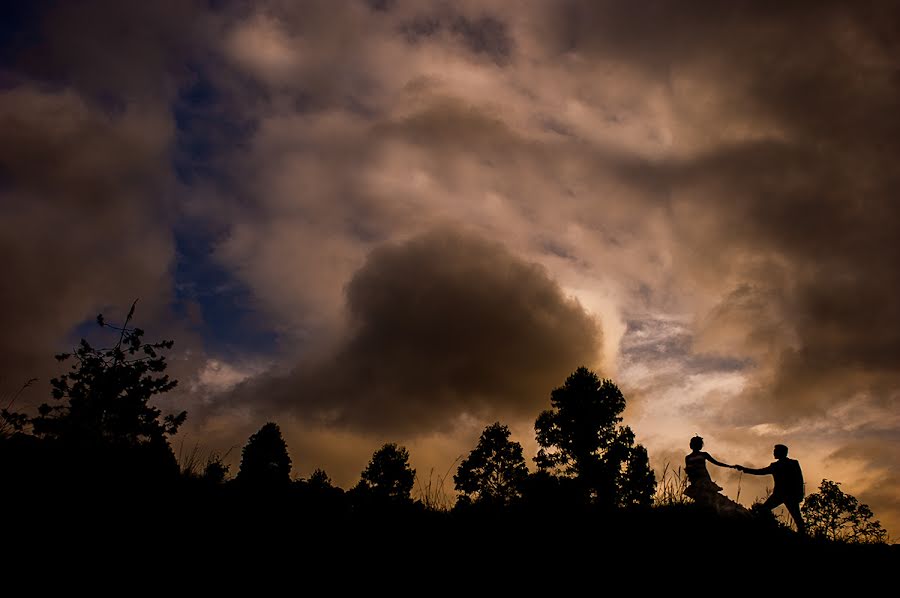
[(134, 542)]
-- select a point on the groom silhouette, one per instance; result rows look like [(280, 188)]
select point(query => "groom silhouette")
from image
[(788, 484)]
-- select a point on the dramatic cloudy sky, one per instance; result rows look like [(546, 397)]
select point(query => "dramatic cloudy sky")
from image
[(399, 220)]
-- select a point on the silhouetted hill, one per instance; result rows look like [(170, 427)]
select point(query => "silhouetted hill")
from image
[(93, 488), (295, 526)]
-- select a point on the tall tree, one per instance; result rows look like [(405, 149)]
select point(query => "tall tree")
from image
[(320, 480), (104, 405), (580, 437), (833, 514), (264, 459), (105, 396), (494, 471), (388, 475)]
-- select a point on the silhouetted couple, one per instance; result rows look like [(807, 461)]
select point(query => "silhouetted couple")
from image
[(788, 482)]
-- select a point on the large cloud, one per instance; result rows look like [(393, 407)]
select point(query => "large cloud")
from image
[(85, 175), (442, 326), (715, 182), (80, 231)]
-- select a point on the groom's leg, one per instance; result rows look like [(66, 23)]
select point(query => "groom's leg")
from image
[(773, 502), (793, 508)]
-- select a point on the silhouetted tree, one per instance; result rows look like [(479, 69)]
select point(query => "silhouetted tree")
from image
[(833, 514), (107, 392), (580, 437), (637, 485), (319, 480), (494, 471), (319, 493), (216, 470), (388, 475), (264, 459), (105, 402)]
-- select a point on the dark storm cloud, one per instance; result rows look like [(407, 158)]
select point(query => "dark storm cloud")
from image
[(74, 236), (443, 325), (84, 174), (115, 52)]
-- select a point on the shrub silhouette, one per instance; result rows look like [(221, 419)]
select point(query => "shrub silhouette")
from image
[(264, 459), (494, 471), (103, 422), (831, 513), (580, 438), (216, 470), (388, 476)]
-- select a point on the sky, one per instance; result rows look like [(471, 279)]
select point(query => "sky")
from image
[(400, 221)]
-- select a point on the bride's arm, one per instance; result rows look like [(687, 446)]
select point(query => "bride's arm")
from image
[(714, 462)]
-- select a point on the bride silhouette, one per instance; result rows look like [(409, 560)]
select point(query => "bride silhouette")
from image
[(702, 489)]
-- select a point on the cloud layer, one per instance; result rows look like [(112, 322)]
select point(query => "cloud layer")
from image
[(442, 326), (714, 183)]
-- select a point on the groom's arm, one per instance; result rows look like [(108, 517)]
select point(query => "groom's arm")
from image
[(765, 470)]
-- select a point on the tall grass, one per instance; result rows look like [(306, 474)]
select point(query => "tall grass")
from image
[(671, 486), (433, 493), (193, 463), (189, 462), (10, 421)]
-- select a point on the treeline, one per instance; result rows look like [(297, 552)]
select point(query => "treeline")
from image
[(586, 458), (100, 442), (102, 431)]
